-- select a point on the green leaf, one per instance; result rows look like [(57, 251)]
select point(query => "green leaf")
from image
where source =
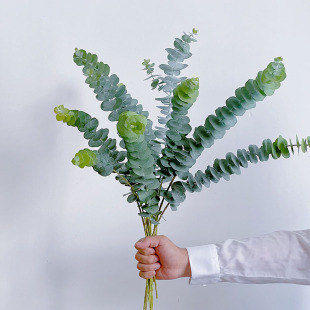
[(105, 163), (298, 144), (144, 196), (215, 125), (182, 46), (176, 55), (186, 38), (195, 148), (84, 158), (131, 198), (242, 156), (224, 114), (144, 214), (303, 145), (120, 91), (173, 135), (184, 159), (176, 65), (233, 162), (164, 162), (202, 178), (245, 98), (291, 144), (131, 125), (202, 135), (178, 192), (212, 174), (195, 31), (235, 106), (151, 209), (253, 89), (169, 198), (196, 187), (178, 166), (154, 222), (155, 83)]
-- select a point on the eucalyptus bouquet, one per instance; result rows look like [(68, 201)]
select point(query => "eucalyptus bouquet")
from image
[(155, 162)]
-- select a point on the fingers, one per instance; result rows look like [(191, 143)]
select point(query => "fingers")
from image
[(147, 251), (147, 274), (147, 271), (148, 267), (148, 242), (146, 259)]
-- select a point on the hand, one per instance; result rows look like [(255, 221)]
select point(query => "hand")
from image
[(158, 256)]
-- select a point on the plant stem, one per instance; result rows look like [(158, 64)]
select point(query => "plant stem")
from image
[(135, 193), (150, 283), (161, 184), (128, 183), (163, 211), (170, 184)]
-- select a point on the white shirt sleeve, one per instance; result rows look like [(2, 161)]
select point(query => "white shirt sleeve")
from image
[(278, 257)]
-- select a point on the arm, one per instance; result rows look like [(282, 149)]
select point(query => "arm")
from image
[(278, 257)]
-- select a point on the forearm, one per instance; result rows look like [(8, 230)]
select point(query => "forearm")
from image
[(278, 257)]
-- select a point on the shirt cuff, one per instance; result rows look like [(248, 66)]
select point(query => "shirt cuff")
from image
[(204, 262)]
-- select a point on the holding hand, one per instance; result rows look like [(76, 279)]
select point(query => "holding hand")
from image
[(158, 256)]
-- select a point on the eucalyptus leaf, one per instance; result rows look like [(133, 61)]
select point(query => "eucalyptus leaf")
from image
[(151, 209), (146, 195)]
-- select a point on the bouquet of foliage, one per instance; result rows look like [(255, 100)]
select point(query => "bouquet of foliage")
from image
[(155, 162)]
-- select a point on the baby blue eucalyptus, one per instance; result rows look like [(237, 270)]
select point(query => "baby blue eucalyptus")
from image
[(154, 163)]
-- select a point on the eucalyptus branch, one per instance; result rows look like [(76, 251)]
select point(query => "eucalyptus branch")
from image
[(149, 70)]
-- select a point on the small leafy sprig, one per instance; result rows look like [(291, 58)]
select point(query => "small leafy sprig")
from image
[(149, 67)]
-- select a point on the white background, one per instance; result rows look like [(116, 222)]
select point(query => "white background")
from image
[(66, 234)]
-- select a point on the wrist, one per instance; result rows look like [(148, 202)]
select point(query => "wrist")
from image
[(186, 264)]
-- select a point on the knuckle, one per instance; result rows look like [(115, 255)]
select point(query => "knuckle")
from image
[(146, 259), (146, 274), (147, 238), (142, 267), (148, 267), (141, 274), (137, 256)]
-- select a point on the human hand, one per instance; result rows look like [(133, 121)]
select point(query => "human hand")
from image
[(158, 256)]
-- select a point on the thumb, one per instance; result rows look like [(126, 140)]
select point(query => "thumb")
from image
[(148, 242)]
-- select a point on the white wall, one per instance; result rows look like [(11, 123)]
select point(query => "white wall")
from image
[(66, 234)]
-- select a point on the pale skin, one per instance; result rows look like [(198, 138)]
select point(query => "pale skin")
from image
[(158, 256)]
